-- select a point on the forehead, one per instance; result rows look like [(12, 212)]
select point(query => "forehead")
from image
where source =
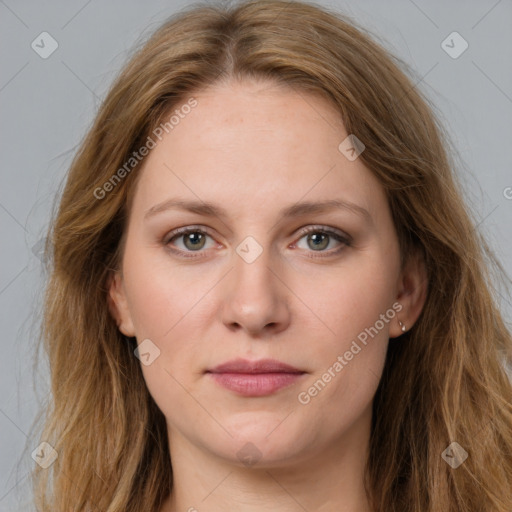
[(255, 144)]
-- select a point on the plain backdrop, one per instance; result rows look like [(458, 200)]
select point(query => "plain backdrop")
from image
[(47, 104)]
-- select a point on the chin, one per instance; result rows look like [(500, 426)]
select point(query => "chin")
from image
[(260, 441)]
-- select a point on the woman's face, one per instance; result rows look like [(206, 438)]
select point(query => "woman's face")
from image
[(318, 288)]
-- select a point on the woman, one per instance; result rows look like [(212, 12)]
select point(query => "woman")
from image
[(266, 290)]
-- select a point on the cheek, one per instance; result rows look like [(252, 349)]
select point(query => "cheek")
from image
[(355, 307), (347, 301), (349, 366), (163, 294), (170, 306), (166, 308)]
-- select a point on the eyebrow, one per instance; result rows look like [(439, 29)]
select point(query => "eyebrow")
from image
[(208, 209)]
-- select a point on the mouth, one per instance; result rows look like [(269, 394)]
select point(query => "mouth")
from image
[(255, 378)]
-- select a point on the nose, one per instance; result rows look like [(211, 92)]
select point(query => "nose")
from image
[(255, 297)]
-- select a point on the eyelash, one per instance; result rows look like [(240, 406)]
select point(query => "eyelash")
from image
[(305, 231)]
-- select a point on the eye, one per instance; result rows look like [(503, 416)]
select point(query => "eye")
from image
[(194, 239), (318, 238)]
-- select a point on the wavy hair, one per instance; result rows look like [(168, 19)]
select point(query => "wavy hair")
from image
[(444, 380)]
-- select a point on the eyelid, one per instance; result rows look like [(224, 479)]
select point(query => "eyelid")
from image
[(324, 229), (340, 236), (303, 231), (186, 229)]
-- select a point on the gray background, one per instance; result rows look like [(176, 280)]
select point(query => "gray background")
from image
[(47, 105)]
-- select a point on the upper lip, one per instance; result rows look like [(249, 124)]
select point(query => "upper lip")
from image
[(259, 366)]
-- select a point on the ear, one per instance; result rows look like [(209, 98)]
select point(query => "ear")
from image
[(412, 293), (118, 305)]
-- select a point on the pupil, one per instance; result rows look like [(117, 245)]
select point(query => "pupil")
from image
[(194, 239)]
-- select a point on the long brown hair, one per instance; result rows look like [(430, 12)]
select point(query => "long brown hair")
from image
[(443, 381)]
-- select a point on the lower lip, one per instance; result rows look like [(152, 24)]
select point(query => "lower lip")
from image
[(255, 384)]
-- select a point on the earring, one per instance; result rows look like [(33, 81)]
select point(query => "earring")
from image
[(402, 326)]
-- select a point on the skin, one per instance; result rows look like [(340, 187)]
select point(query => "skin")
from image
[(254, 148)]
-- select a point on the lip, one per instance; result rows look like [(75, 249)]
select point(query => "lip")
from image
[(255, 378), (259, 366)]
